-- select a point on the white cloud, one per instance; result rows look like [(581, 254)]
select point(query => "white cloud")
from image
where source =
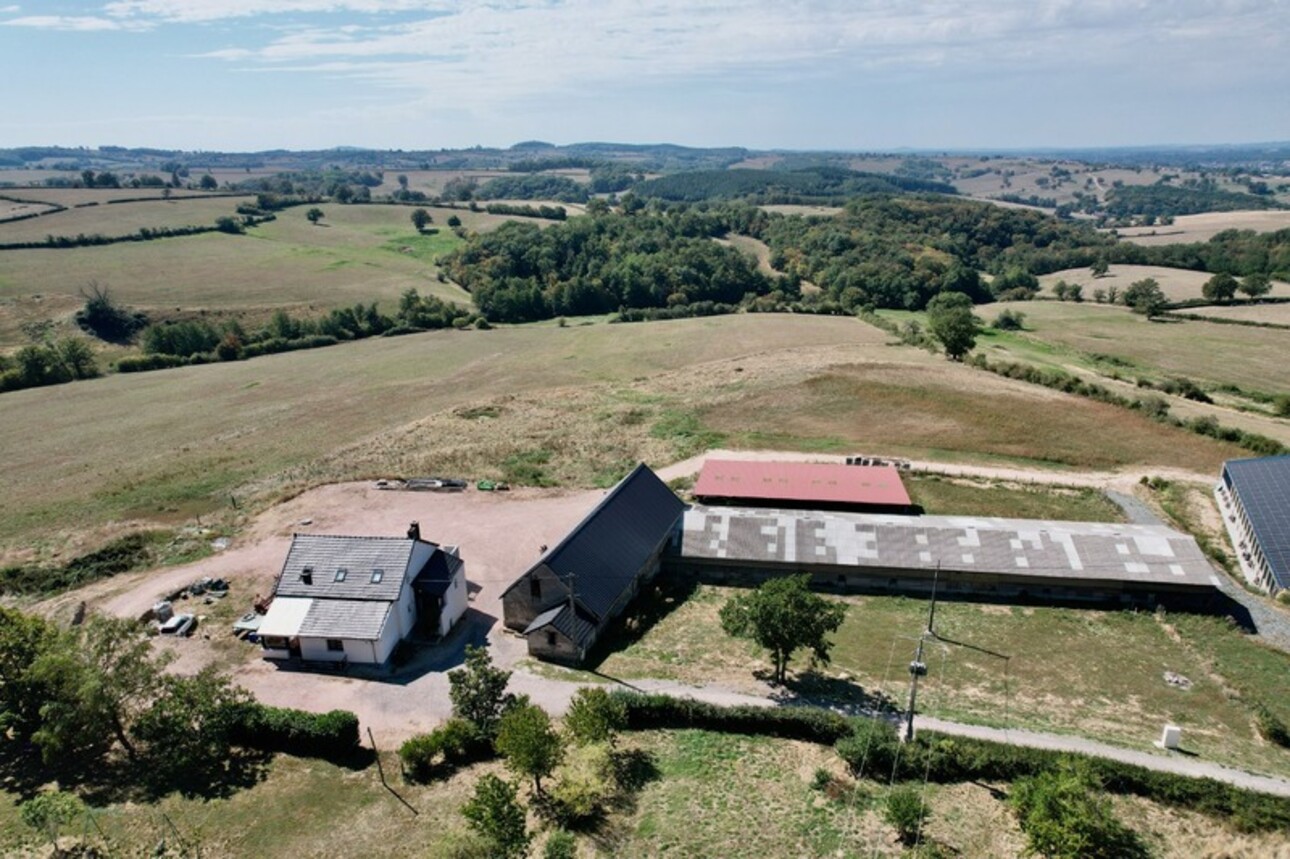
[(195, 11), (64, 22)]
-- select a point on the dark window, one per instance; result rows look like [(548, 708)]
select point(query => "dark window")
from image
[(550, 638), (535, 587), (335, 645), (341, 574)]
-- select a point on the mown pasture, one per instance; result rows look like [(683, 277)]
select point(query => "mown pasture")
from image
[(120, 219), (355, 254), (1252, 358), (1087, 672), (1178, 284), (1203, 227)]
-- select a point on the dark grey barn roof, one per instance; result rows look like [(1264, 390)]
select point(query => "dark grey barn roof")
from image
[(579, 627), (358, 556), (1263, 487), (607, 549)]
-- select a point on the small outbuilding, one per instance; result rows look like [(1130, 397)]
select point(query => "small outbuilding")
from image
[(803, 485), (564, 603), (353, 599)]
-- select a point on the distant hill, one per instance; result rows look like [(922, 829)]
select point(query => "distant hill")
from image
[(811, 185)]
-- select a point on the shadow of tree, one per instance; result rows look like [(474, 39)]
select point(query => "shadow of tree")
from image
[(811, 688)]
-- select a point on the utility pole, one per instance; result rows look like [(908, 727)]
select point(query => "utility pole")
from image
[(918, 668)]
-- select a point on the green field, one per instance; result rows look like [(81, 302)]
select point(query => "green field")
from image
[(357, 253), (942, 496), (1093, 673)]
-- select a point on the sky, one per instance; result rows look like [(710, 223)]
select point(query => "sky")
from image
[(858, 75)]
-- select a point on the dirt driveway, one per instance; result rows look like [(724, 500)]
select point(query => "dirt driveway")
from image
[(500, 535)]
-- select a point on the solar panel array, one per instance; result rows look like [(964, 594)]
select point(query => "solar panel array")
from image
[(1263, 488)]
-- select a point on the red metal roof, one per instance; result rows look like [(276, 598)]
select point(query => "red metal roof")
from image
[(802, 482)]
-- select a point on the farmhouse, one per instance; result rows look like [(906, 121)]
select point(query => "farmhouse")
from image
[(352, 599), (1018, 559), (1254, 496), (811, 485), (566, 600)]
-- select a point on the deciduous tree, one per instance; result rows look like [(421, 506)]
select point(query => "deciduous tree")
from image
[(478, 691), (1220, 287), (420, 219), (1146, 297), (951, 321), (495, 813), (783, 616), (529, 743)]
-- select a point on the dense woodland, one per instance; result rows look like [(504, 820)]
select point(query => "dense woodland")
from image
[(1161, 201), (808, 185)]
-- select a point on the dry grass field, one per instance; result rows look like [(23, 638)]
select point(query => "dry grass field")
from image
[(573, 406), (1253, 358), (698, 803), (1178, 284), (73, 197), (121, 219), (950, 412), (1203, 227), (1277, 314)]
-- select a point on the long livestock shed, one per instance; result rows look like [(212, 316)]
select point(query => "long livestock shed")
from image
[(809, 485), (994, 558), (1254, 496)]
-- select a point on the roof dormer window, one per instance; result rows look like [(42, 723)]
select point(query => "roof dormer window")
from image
[(341, 574), (377, 575), (307, 575)]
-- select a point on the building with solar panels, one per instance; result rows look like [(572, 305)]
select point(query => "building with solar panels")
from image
[(1254, 497)]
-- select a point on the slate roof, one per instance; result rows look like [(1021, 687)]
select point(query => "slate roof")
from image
[(607, 549), (1263, 487), (359, 556), (361, 620), (1137, 554), (579, 627), (437, 574)]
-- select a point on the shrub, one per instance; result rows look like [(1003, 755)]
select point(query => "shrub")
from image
[(453, 744), (494, 813), (1065, 816), (904, 809), (144, 363), (871, 746), (1271, 726), (585, 786), (812, 724), (594, 716), (560, 845), (331, 736)]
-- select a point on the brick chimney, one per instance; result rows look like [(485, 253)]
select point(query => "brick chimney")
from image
[(414, 531)]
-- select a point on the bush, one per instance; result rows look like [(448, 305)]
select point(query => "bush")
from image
[(330, 736), (453, 744), (872, 746), (904, 809), (144, 363), (812, 724), (560, 845), (1271, 727), (594, 716), (494, 813), (1065, 816), (585, 787)]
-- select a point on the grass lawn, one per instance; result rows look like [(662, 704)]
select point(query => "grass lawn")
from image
[(1087, 672), (940, 496)]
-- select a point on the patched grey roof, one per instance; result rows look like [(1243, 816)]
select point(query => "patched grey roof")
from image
[(353, 619), (1072, 550), (1263, 487), (358, 556)]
